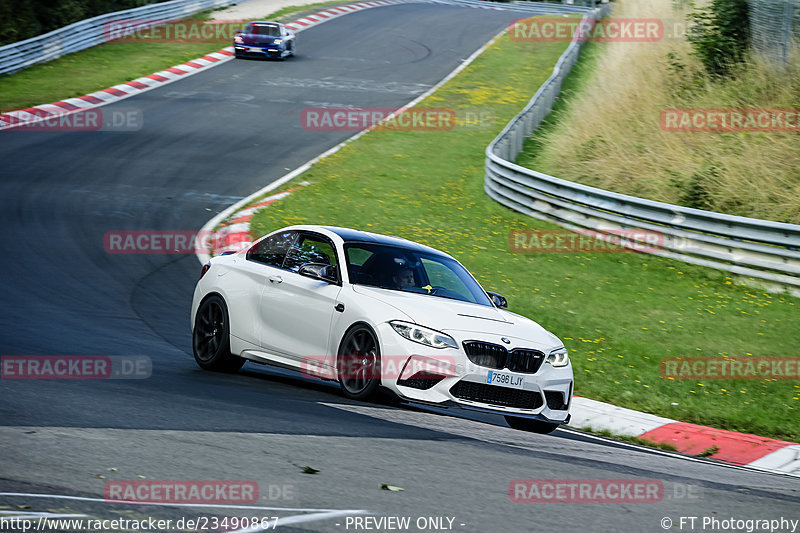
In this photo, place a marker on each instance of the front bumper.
(270, 51)
(544, 395)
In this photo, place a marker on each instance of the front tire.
(534, 426)
(359, 363)
(211, 338)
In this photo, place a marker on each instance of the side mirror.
(238, 32)
(498, 300)
(319, 271)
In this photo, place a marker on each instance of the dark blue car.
(264, 39)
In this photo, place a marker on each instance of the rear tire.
(211, 337)
(359, 363)
(534, 426)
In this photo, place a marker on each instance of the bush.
(720, 35)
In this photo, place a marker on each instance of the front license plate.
(504, 379)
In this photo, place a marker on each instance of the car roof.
(265, 22)
(353, 235)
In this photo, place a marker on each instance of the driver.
(403, 277)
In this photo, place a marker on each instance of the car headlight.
(558, 357)
(238, 39)
(277, 41)
(423, 335)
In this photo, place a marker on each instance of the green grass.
(103, 66)
(618, 314)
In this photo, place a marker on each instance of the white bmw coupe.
(371, 311)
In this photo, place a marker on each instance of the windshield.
(272, 30)
(406, 270)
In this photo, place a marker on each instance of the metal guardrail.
(765, 250)
(90, 32)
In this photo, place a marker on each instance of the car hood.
(464, 319)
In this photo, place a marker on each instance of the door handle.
(275, 279)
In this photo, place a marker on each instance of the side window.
(272, 250)
(309, 249)
(358, 256)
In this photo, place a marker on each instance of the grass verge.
(618, 314)
(94, 69)
(110, 64)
